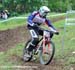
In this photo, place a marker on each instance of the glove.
(35, 26)
(57, 33)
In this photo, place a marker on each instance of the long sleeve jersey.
(35, 18)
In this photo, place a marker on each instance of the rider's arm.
(30, 18)
(52, 28)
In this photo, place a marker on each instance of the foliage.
(21, 6)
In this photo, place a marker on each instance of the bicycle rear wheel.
(46, 55)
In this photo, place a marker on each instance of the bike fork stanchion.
(44, 50)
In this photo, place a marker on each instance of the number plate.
(46, 34)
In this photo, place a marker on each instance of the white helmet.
(43, 11)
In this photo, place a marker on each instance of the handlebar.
(57, 33)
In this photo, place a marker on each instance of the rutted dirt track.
(9, 38)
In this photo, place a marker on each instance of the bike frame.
(45, 39)
(43, 48)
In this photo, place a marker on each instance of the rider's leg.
(35, 39)
(33, 44)
(51, 34)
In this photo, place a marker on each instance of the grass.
(11, 58)
(12, 24)
(64, 53)
(14, 52)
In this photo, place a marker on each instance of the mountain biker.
(35, 19)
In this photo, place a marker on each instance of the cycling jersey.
(35, 18)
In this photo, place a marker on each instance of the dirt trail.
(9, 38)
(33, 65)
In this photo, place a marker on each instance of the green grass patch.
(12, 24)
(11, 56)
(65, 52)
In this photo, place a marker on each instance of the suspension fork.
(46, 42)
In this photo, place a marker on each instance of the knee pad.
(35, 41)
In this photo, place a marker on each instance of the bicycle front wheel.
(46, 54)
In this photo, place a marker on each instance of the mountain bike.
(45, 48)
